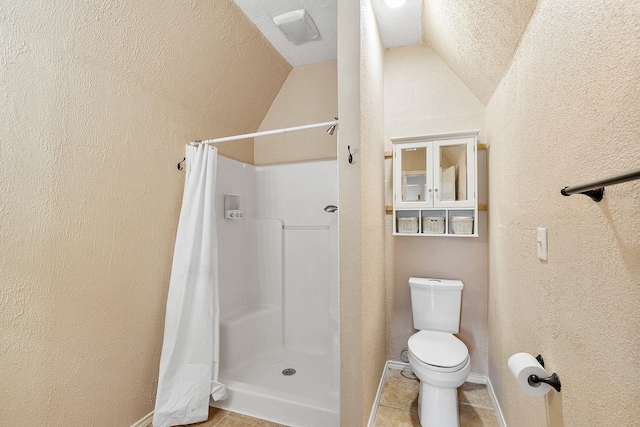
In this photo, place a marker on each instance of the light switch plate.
(542, 243)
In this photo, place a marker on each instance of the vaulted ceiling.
(476, 38)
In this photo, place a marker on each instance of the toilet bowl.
(438, 358)
(441, 362)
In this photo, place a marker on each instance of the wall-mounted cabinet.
(435, 185)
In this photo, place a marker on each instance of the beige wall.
(568, 112)
(370, 152)
(361, 190)
(309, 95)
(349, 207)
(97, 103)
(423, 96)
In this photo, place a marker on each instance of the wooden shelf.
(389, 208)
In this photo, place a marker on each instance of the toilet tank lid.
(421, 282)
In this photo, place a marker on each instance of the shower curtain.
(188, 372)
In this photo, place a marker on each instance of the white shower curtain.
(190, 350)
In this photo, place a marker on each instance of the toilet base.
(438, 407)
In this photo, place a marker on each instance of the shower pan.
(279, 342)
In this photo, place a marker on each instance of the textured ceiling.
(476, 38)
(323, 13)
(398, 26)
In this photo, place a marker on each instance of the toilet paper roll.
(522, 365)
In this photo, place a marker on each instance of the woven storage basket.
(462, 224)
(433, 224)
(408, 225)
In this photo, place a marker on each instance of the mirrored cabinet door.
(414, 175)
(455, 173)
(453, 166)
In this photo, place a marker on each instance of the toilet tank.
(436, 304)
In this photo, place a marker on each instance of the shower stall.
(278, 289)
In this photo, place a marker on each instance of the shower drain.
(288, 372)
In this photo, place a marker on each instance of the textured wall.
(435, 101)
(309, 95)
(568, 112)
(370, 154)
(476, 38)
(349, 209)
(361, 210)
(97, 101)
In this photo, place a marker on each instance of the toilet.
(438, 358)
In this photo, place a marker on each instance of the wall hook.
(180, 167)
(350, 156)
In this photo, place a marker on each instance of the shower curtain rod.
(332, 124)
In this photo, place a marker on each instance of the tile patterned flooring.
(399, 404)
(398, 407)
(223, 418)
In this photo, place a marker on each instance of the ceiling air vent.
(297, 26)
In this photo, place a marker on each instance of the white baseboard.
(399, 366)
(376, 403)
(496, 405)
(144, 421)
(476, 378)
(483, 379)
(472, 378)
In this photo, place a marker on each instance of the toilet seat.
(441, 351)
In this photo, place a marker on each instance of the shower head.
(330, 208)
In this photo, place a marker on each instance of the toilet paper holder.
(553, 380)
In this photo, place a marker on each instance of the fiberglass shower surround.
(280, 298)
(279, 293)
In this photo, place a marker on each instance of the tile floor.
(224, 418)
(398, 407)
(399, 404)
